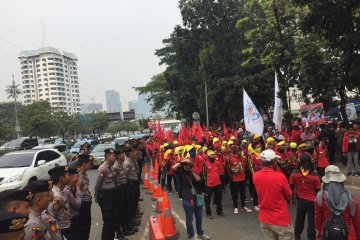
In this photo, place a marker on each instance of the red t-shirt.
(296, 135)
(170, 162)
(305, 185)
(234, 161)
(323, 161)
(198, 163)
(272, 188)
(213, 170)
(149, 151)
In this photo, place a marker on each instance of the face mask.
(211, 159)
(192, 154)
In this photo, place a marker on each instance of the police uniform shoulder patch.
(36, 228)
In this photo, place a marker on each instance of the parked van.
(22, 143)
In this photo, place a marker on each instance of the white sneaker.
(247, 209)
(236, 210)
(256, 208)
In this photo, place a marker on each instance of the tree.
(36, 119)
(13, 91)
(334, 25)
(98, 122)
(63, 121)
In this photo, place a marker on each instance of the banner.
(254, 123)
(312, 113)
(277, 117)
(350, 111)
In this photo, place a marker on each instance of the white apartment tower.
(50, 74)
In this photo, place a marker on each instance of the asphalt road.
(243, 226)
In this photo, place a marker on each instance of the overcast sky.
(114, 40)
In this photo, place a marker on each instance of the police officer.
(14, 200)
(105, 194)
(121, 181)
(132, 188)
(84, 219)
(41, 225)
(59, 207)
(74, 196)
(12, 225)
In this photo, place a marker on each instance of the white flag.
(254, 123)
(277, 117)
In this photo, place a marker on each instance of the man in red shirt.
(238, 183)
(307, 184)
(211, 173)
(273, 191)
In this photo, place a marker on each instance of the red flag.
(226, 133)
(169, 136)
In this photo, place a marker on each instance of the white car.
(19, 168)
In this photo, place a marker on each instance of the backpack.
(335, 227)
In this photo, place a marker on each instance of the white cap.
(268, 155)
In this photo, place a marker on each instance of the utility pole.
(13, 89)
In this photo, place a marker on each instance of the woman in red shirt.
(238, 183)
(254, 165)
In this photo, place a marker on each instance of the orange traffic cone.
(168, 224)
(156, 188)
(146, 177)
(151, 181)
(156, 170)
(159, 202)
(158, 219)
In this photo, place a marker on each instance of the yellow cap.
(215, 140)
(281, 143)
(270, 139)
(166, 144)
(178, 150)
(167, 153)
(223, 148)
(256, 136)
(293, 145)
(204, 149)
(210, 153)
(302, 145)
(175, 142)
(230, 142)
(198, 147)
(224, 142)
(161, 146)
(232, 138)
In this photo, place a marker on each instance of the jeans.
(190, 210)
(352, 161)
(305, 207)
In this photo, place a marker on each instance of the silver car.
(98, 153)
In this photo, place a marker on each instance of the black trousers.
(66, 232)
(320, 171)
(84, 220)
(217, 190)
(169, 179)
(120, 209)
(252, 191)
(305, 207)
(74, 227)
(131, 196)
(107, 202)
(140, 162)
(236, 189)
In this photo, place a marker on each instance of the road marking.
(177, 216)
(146, 232)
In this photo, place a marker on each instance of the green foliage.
(118, 126)
(98, 123)
(36, 119)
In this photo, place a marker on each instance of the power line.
(7, 54)
(19, 35)
(10, 43)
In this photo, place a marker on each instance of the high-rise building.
(133, 104)
(90, 108)
(144, 106)
(51, 74)
(113, 103)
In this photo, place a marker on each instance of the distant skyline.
(115, 41)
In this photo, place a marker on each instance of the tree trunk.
(342, 94)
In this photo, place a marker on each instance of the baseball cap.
(268, 155)
(210, 153)
(333, 174)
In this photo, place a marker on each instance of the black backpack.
(335, 227)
